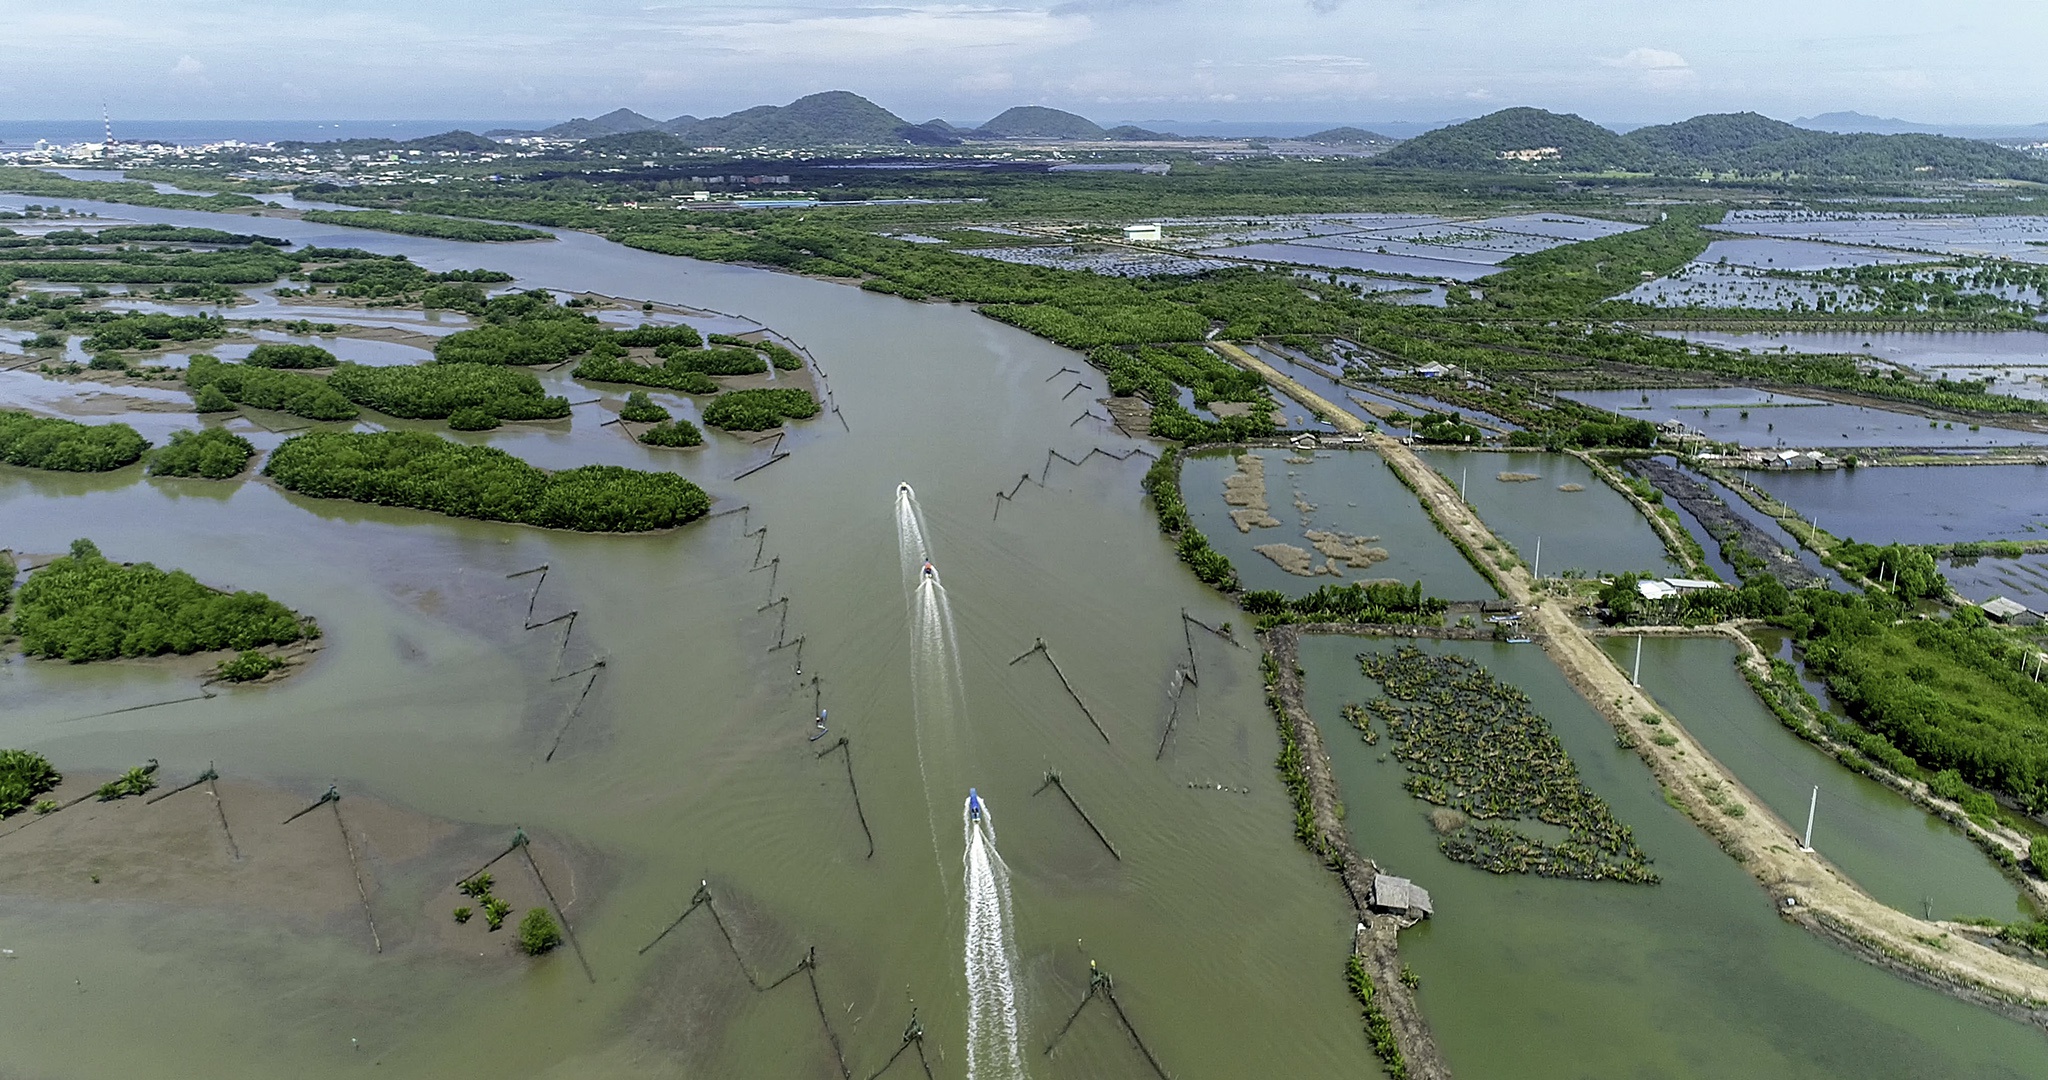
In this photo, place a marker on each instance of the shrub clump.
(759, 410)
(608, 367)
(673, 433)
(472, 419)
(266, 388)
(426, 472)
(24, 774)
(641, 410)
(66, 445)
(248, 666)
(82, 607)
(140, 780)
(275, 355)
(538, 932)
(214, 454)
(438, 391)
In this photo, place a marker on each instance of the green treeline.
(266, 388)
(274, 355)
(1153, 372)
(759, 410)
(784, 358)
(82, 607)
(133, 331)
(215, 454)
(442, 228)
(66, 445)
(717, 360)
(1386, 602)
(160, 234)
(1950, 693)
(427, 472)
(27, 181)
(437, 391)
(523, 328)
(673, 433)
(649, 337)
(1162, 482)
(1378, 1029)
(366, 275)
(603, 367)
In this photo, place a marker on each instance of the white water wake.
(992, 1037)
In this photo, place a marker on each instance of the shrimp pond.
(659, 742)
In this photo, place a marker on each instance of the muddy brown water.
(689, 761)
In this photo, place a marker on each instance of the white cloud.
(934, 33)
(1656, 69)
(188, 67)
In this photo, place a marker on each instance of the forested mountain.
(636, 144)
(1522, 139)
(615, 122)
(1714, 133)
(1881, 157)
(1039, 122)
(833, 118)
(1347, 136)
(457, 141)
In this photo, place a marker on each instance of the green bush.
(438, 391)
(273, 355)
(248, 665)
(538, 932)
(649, 337)
(2037, 855)
(472, 419)
(759, 410)
(673, 433)
(140, 780)
(641, 410)
(722, 360)
(83, 607)
(67, 446)
(215, 454)
(478, 886)
(495, 911)
(24, 775)
(266, 388)
(427, 472)
(462, 915)
(209, 399)
(522, 328)
(618, 369)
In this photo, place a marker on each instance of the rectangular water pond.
(1584, 524)
(1367, 525)
(2015, 361)
(1762, 418)
(1919, 504)
(1696, 978)
(1897, 852)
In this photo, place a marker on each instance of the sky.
(1617, 61)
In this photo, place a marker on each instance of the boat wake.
(992, 1037)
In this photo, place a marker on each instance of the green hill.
(615, 122)
(640, 144)
(1522, 139)
(1347, 136)
(833, 118)
(457, 141)
(1880, 157)
(1714, 133)
(1039, 122)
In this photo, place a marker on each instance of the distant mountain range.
(1524, 139)
(1847, 123)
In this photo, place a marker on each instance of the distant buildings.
(1143, 233)
(2002, 609)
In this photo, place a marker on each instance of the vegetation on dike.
(426, 472)
(759, 410)
(272, 354)
(24, 774)
(82, 607)
(1378, 1029)
(442, 228)
(266, 388)
(1385, 602)
(1473, 744)
(213, 454)
(673, 433)
(437, 391)
(65, 445)
(1162, 482)
(1292, 765)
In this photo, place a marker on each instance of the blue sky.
(1343, 60)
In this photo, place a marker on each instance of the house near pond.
(2009, 611)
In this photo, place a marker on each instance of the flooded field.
(1896, 851)
(1352, 499)
(1763, 418)
(2015, 361)
(1585, 525)
(1930, 234)
(1693, 978)
(1918, 504)
(2024, 578)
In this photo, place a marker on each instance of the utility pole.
(1461, 482)
(1812, 805)
(1536, 571)
(1636, 680)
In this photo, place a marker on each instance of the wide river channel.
(688, 761)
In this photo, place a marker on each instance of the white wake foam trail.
(933, 682)
(990, 956)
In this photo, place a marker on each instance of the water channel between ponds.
(1584, 524)
(1896, 851)
(1693, 977)
(1348, 492)
(689, 758)
(689, 761)
(1763, 418)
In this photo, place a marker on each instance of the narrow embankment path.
(1821, 897)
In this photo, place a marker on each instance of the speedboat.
(903, 488)
(929, 570)
(973, 805)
